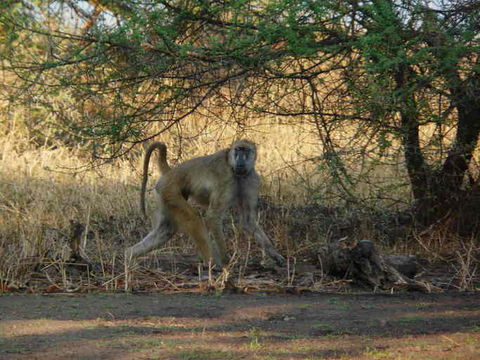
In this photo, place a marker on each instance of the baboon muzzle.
(240, 170)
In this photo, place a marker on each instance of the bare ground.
(240, 326)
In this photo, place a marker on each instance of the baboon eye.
(243, 150)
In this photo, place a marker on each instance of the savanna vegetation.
(367, 119)
(367, 116)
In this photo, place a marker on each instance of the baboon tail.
(162, 165)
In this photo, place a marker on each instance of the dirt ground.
(240, 326)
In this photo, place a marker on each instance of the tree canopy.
(391, 70)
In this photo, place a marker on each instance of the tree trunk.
(417, 168)
(466, 98)
(437, 193)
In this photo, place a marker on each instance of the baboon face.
(241, 157)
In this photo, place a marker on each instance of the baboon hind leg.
(163, 230)
(187, 218)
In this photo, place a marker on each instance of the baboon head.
(242, 156)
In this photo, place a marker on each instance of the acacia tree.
(390, 68)
(425, 62)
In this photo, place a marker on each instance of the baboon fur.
(217, 182)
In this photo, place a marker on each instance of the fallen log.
(361, 262)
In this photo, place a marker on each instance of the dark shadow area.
(119, 323)
(121, 306)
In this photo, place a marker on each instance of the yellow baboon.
(217, 182)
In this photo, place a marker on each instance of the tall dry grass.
(44, 187)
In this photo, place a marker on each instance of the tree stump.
(361, 262)
(76, 260)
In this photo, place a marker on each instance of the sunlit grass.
(44, 188)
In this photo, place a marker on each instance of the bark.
(77, 261)
(437, 193)
(447, 191)
(362, 263)
(466, 98)
(415, 162)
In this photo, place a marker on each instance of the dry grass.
(44, 188)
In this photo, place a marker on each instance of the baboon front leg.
(250, 224)
(265, 243)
